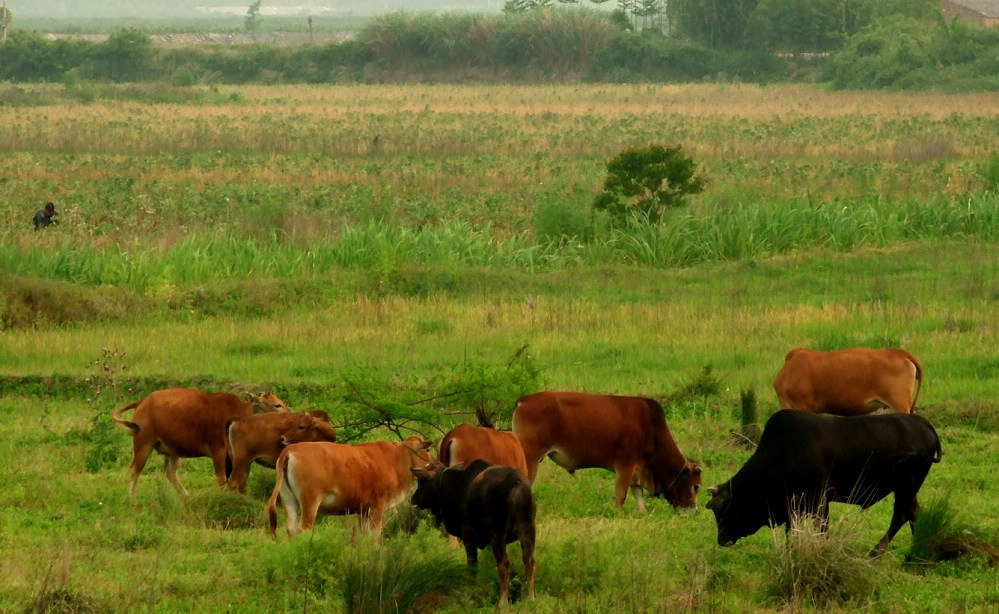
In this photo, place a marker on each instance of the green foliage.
(903, 53)
(126, 56)
(647, 181)
(557, 222)
(435, 401)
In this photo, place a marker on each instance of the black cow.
(482, 505)
(805, 461)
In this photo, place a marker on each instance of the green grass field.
(263, 239)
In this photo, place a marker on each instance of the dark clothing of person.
(43, 217)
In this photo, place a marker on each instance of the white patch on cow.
(289, 495)
(562, 459)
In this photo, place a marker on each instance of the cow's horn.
(713, 490)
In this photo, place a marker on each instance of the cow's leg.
(905, 510)
(533, 458)
(471, 554)
(624, 475)
(240, 473)
(218, 463)
(141, 451)
(309, 508)
(292, 509)
(503, 568)
(170, 465)
(639, 493)
(527, 550)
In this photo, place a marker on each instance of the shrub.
(646, 181)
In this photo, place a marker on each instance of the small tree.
(647, 181)
(6, 16)
(252, 22)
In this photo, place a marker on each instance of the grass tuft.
(225, 510)
(820, 569)
(939, 535)
(395, 578)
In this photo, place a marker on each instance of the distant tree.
(647, 181)
(252, 21)
(6, 16)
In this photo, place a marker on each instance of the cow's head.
(679, 489)
(428, 486)
(417, 447)
(735, 520)
(267, 402)
(309, 427)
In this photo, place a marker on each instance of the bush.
(646, 181)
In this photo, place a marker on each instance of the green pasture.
(266, 240)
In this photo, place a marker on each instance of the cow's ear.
(718, 497)
(424, 445)
(421, 474)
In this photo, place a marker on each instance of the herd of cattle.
(479, 487)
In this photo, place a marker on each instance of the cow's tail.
(116, 416)
(280, 466)
(444, 451)
(919, 381)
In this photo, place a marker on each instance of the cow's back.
(854, 457)
(188, 421)
(467, 442)
(357, 475)
(851, 381)
(590, 430)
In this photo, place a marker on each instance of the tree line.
(894, 44)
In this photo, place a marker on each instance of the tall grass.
(714, 234)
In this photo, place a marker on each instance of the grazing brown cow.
(849, 382)
(467, 442)
(483, 505)
(626, 435)
(185, 423)
(334, 478)
(261, 437)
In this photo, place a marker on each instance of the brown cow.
(849, 382)
(626, 435)
(467, 442)
(334, 478)
(185, 423)
(261, 437)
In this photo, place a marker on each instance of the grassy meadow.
(304, 239)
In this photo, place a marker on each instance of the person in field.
(44, 217)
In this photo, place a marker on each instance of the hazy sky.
(191, 8)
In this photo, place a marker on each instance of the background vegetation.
(857, 44)
(419, 255)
